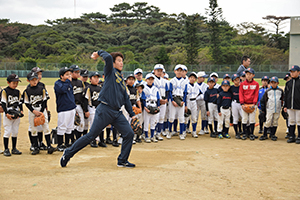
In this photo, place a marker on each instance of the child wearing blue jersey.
(210, 98)
(65, 107)
(265, 83)
(224, 112)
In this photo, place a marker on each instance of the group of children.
(161, 105)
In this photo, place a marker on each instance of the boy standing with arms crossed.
(249, 95)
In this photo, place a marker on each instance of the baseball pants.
(65, 122)
(176, 112)
(104, 116)
(271, 119)
(294, 117)
(192, 105)
(42, 128)
(201, 108)
(150, 119)
(224, 117)
(248, 117)
(79, 110)
(11, 127)
(213, 110)
(236, 112)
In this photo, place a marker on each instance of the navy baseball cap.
(84, 73)
(94, 74)
(13, 78)
(265, 78)
(74, 68)
(275, 79)
(63, 70)
(250, 70)
(234, 76)
(130, 75)
(243, 74)
(287, 76)
(32, 75)
(295, 68)
(225, 82)
(211, 79)
(226, 76)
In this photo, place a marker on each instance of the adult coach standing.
(245, 63)
(112, 96)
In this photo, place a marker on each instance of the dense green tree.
(162, 56)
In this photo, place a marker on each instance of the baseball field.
(196, 168)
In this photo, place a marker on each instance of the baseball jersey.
(235, 93)
(140, 82)
(11, 99)
(78, 88)
(133, 95)
(249, 92)
(35, 97)
(90, 96)
(150, 96)
(193, 91)
(210, 96)
(162, 87)
(178, 88)
(203, 87)
(224, 100)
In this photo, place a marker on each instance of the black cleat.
(61, 147)
(6, 152)
(260, 131)
(108, 141)
(252, 137)
(298, 140)
(273, 137)
(263, 137)
(35, 151)
(102, 144)
(213, 135)
(244, 137)
(16, 151)
(50, 150)
(115, 143)
(291, 140)
(43, 146)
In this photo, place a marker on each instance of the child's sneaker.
(153, 139)
(273, 137)
(213, 135)
(16, 151)
(6, 152)
(169, 135)
(147, 140)
(194, 134)
(158, 137)
(181, 136)
(206, 131)
(220, 136)
(227, 136)
(201, 132)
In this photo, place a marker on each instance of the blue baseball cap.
(226, 76)
(265, 78)
(295, 68)
(211, 79)
(225, 82)
(274, 78)
(243, 74)
(250, 70)
(234, 76)
(287, 76)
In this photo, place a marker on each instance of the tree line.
(146, 36)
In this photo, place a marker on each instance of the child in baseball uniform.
(193, 91)
(78, 88)
(201, 103)
(210, 98)
(161, 84)
(236, 106)
(216, 77)
(249, 95)
(165, 128)
(84, 75)
(261, 92)
(224, 109)
(90, 103)
(138, 73)
(177, 90)
(292, 103)
(35, 99)
(65, 107)
(11, 99)
(150, 98)
(271, 104)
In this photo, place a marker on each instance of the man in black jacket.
(292, 103)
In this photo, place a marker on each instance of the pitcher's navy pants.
(104, 116)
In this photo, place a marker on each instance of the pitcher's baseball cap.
(32, 75)
(13, 78)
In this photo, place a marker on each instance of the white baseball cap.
(166, 75)
(214, 74)
(159, 66)
(149, 76)
(179, 66)
(184, 68)
(138, 70)
(202, 74)
(193, 74)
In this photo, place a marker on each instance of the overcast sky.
(35, 12)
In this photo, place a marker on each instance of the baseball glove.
(15, 113)
(262, 117)
(77, 119)
(49, 115)
(40, 120)
(188, 113)
(136, 126)
(136, 110)
(285, 115)
(153, 110)
(178, 100)
(249, 108)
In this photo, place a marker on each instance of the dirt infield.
(196, 168)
